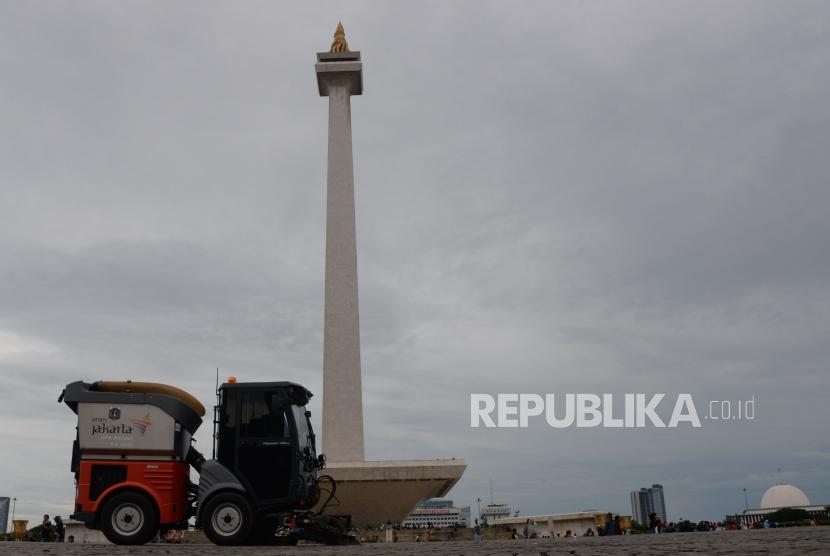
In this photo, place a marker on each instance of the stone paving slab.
(804, 540)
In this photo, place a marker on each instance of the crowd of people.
(56, 532)
(50, 531)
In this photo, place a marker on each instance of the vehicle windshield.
(305, 436)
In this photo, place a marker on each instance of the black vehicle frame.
(264, 437)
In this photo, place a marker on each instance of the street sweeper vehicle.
(133, 453)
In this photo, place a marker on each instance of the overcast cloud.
(551, 196)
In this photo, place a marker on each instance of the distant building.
(548, 526)
(640, 506)
(778, 497)
(658, 502)
(4, 515)
(492, 512)
(437, 512)
(435, 503)
(646, 501)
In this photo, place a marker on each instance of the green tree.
(639, 527)
(788, 515)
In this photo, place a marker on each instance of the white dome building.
(784, 496)
(777, 497)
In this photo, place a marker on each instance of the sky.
(551, 197)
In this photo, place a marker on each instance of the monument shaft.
(342, 391)
(369, 492)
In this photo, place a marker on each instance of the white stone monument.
(339, 76)
(370, 492)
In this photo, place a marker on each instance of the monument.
(339, 76)
(370, 492)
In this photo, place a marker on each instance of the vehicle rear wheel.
(228, 519)
(129, 518)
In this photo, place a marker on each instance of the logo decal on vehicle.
(142, 424)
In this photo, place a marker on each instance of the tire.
(228, 518)
(129, 518)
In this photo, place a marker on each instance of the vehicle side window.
(259, 419)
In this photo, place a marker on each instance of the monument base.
(372, 493)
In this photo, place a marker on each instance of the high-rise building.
(641, 505)
(646, 501)
(658, 502)
(4, 515)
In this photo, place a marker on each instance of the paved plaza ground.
(806, 540)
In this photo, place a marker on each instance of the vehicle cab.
(264, 437)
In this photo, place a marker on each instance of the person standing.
(652, 522)
(46, 529)
(59, 528)
(610, 528)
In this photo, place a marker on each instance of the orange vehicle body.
(164, 481)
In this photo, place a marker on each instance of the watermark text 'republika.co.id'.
(603, 410)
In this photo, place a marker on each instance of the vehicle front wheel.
(228, 519)
(129, 518)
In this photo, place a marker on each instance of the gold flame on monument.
(339, 44)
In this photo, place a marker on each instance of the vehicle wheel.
(228, 518)
(129, 518)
